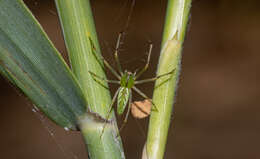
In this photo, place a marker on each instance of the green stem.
(165, 88)
(107, 146)
(84, 52)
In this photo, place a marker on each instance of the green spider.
(127, 81)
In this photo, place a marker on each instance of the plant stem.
(84, 52)
(165, 88)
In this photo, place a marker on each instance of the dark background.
(217, 108)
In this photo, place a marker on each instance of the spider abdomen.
(122, 99)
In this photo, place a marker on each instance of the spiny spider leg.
(154, 79)
(128, 110)
(144, 96)
(116, 53)
(110, 110)
(103, 79)
(147, 63)
(105, 62)
(111, 69)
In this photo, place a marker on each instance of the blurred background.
(217, 107)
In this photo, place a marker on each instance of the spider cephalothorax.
(127, 79)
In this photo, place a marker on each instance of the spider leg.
(103, 79)
(147, 63)
(154, 79)
(102, 59)
(111, 69)
(110, 110)
(116, 53)
(144, 96)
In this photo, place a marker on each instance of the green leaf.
(31, 62)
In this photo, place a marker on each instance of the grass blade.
(31, 62)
